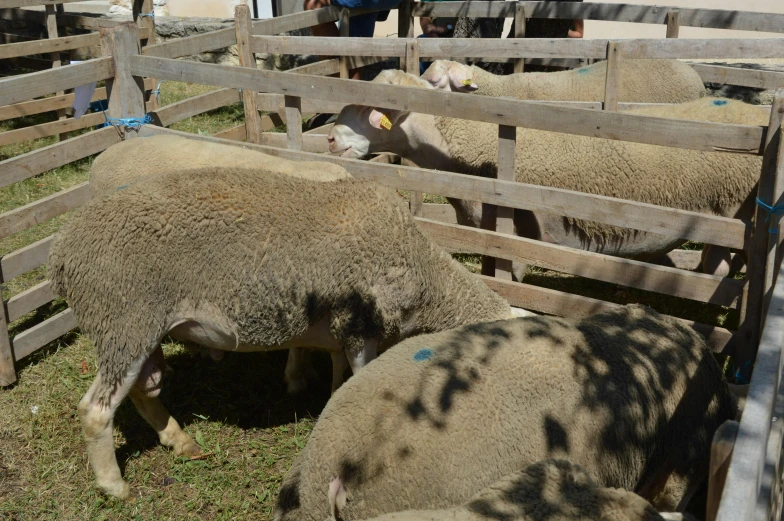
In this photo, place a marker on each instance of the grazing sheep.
(645, 81)
(631, 395)
(157, 154)
(549, 490)
(712, 183)
(241, 260)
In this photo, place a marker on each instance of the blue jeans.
(364, 25)
(423, 65)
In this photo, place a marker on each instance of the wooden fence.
(761, 310)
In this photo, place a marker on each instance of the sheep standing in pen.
(549, 490)
(158, 154)
(632, 396)
(706, 182)
(245, 261)
(644, 81)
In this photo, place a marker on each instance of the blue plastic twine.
(151, 14)
(772, 210)
(738, 377)
(131, 123)
(157, 90)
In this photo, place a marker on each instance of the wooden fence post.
(762, 250)
(673, 23)
(416, 199)
(405, 27)
(720, 456)
(293, 122)
(56, 57)
(125, 91)
(247, 59)
(345, 21)
(613, 78)
(507, 141)
(144, 16)
(519, 32)
(7, 370)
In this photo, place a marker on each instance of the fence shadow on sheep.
(287, 96)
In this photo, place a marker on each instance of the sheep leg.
(96, 412)
(294, 374)
(169, 431)
(359, 358)
(339, 366)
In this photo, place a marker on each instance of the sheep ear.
(461, 78)
(384, 119)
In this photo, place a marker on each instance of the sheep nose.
(331, 141)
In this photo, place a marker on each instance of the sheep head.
(450, 76)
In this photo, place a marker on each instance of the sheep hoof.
(188, 448)
(296, 386)
(120, 490)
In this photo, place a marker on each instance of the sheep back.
(127, 162)
(264, 253)
(644, 81)
(438, 417)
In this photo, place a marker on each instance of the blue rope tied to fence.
(130, 123)
(157, 90)
(738, 377)
(772, 210)
(151, 14)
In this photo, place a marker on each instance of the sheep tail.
(337, 498)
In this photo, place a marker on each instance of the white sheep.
(632, 396)
(241, 260)
(548, 490)
(712, 183)
(645, 81)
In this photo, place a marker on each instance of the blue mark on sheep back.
(423, 354)
(719, 102)
(584, 70)
(121, 187)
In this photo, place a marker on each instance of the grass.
(236, 409)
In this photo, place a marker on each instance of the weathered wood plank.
(43, 159)
(519, 32)
(293, 122)
(704, 48)
(191, 45)
(7, 369)
(384, 47)
(52, 128)
(25, 259)
(126, 90)
(66, 43)
(721, 453)
(759, 79)
(33, 85)
(237, 133)
(626, 272)
(77, 21)
(316, 143)
(559, 303)
(275, 102)
(24, 217)
(189, 107)
(290, 22)
(441, 48)
(709, 229)
(673, 23)
(612, 81)
(695, 135)
(507, 145)
(28, 300)
(33, 339)
(242, 24)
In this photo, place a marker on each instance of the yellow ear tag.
(386, 122)
(467, 83)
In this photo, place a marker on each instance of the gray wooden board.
(43, 159)
(760, 79)
(28, 300)
(24, 217)
(25, 259)
(28, 86)
(191, 45)
(290, 22)
(388, 47)
(695, 135)
(618, 212)
(29, 341)
(316, 143)
(238, 133)
(196, 105)
(52, 128)
(14, 50)
(631, 273)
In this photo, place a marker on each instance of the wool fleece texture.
(632, 396)
(549, 490)
(649, 81)
(129, 161)
(263, 255)
(706, 182)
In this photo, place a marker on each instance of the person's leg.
(362, 26)
(325, 29)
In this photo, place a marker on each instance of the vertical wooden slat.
(142, 9)
(519, 32)
(412, 66)
(405, 26)
(344, 33)
(776, 146)
(293, 121)
(242, 26)
(507, 139)
(761, 248)
(613, 79)
(125, 91)
(7, 370)
(51, 29)
(721, 453)
(673, 23)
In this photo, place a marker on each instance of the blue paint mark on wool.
(423, 354)
(584, 70)
(122, 187)
(719, 102)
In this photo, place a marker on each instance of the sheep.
(156, 154)
(631, 395)
(242, 260)
(710, 183)
(548, 490)
(647, 81)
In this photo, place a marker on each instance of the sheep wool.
(650, 81)
(632, 396)
(134, 159)
(707, 182)
(264, 255)
(549, 490)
